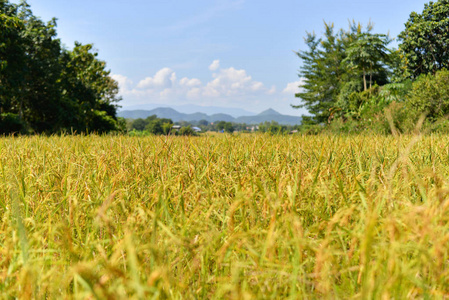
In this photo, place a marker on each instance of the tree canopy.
(353, 82)
(46, 88)
(425, 39)
(337, 65)
(369, 54)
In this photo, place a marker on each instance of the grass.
(237, 217)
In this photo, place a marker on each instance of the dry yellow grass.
(239, 217)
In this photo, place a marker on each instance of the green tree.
(322, 71)
(221, 125)
(275, 128)
(188, 131)
(425, 40)
(11, 124)
(89, 93)
(338, 65)
(29, 67)
(40, 96)
(203, 122)
(155, 127)
(46, 87)
(167, 127)
(139, 124)
(12, 56)
(228, 127)
(369, 54)
(430, 94)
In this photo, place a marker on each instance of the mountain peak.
(165, 110)
(269, 112)
(268, 115)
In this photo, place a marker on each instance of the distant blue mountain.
(269, 112)
(268, 115)
(190, 109)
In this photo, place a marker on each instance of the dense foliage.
(225, 126)
(339, 64)
(159, 126)
(425, 39)
(153, 125)
(353, 82)
(46, 88)
(430, 93)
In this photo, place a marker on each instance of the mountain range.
(169, 113)
(192, 108)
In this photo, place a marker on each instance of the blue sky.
(229, 53)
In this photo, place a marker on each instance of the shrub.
(430, 94)
(11, 123)
(186, 131)
(102, 122)
(138, 124)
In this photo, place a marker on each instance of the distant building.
(253, 128)
(196, 129)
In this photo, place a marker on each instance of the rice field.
(224, 217)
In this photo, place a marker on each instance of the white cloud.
(194, 93)
(232, 82)
(166, 93)
(294, 87)
(190, 82)
(227, 87)
(173, 78)
(272, 90)
(256, 86)
(124, 82)
(164, 78)
(209, 91)
(224, 83)
(214, 65)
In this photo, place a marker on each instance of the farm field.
(224, 217)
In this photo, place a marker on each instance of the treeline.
(156, 126)
(230, 127)
(46, 88)
(163, 126)
(354, 82)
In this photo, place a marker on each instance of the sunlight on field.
(252, 216)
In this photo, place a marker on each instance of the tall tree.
(322, 71)
(40, 95)
(425, 40)
(430, 94)
(337, 65)
(12, 55)
(89, 94)
(47, 88)
(369, 54)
